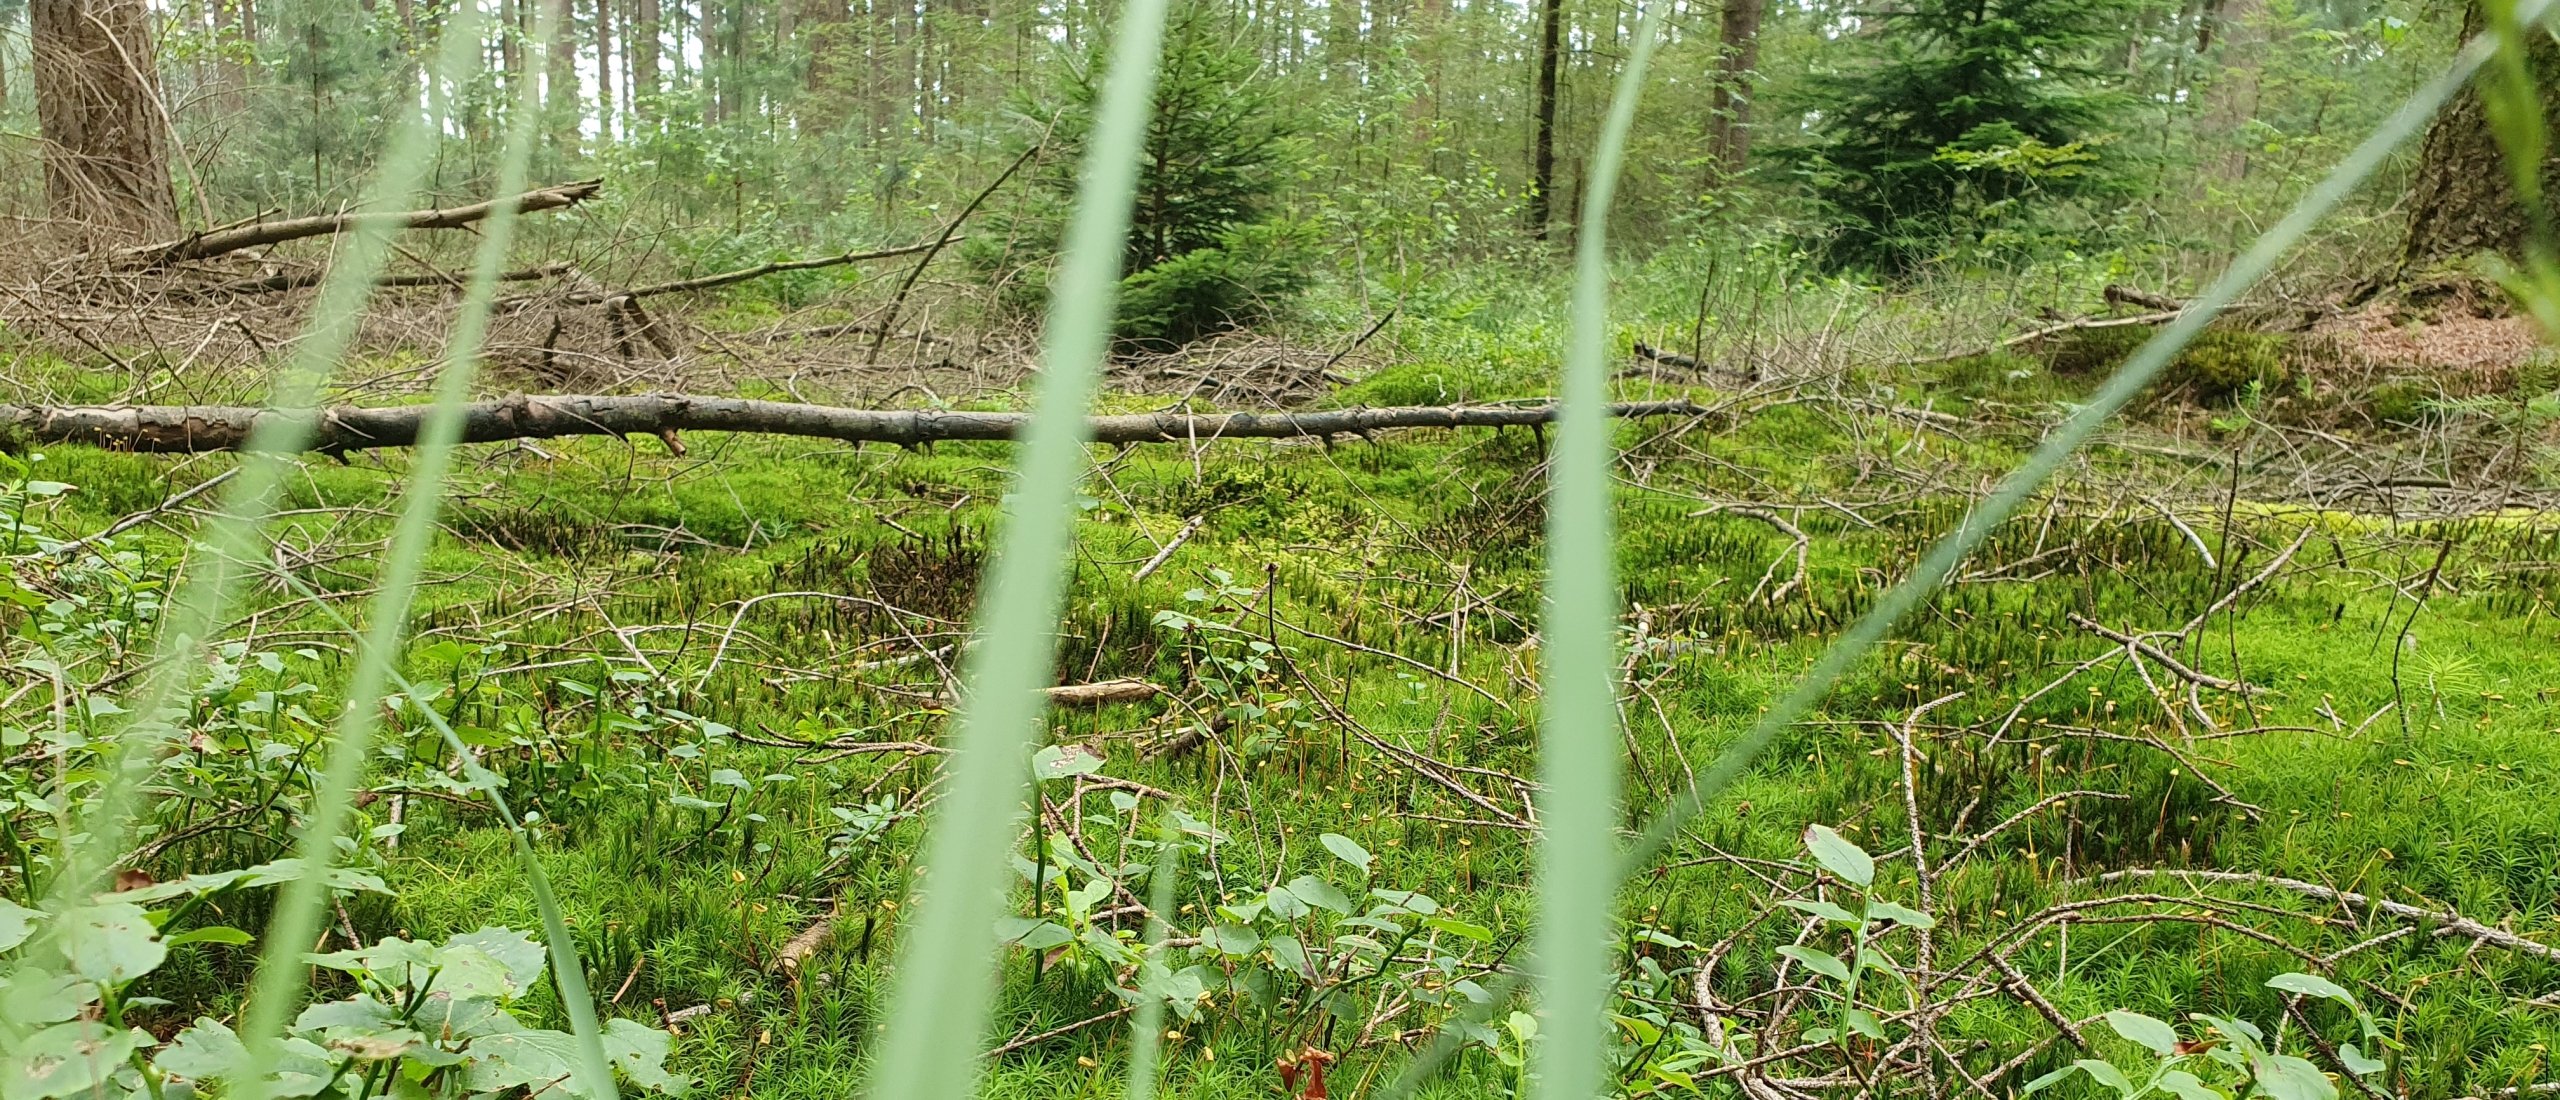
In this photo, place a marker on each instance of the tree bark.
(2463, 203)
(106, 160)
(192, 428)
(200, 246)
(1542, 144)
(1737, 60)
(642, 45)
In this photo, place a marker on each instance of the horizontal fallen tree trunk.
(193, 428)
(221, 241)
(297, 280)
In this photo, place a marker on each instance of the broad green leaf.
(1456, 927)
(2107, 1074)
(110, 942)
(1284, 904)
(1347, 849)
(357, 1013)
(519, 953)
(69, 1059)
(1291, 955)
(1819, 961)
(2285, 1077)
(2152, 1033)
(2312, 985)
(31, 997)
(1822, 909)
(1064, 761)
(1880, 909)
(205, 1050)
(2186, 1086)
(1318, 892)
(639, 1052)
(17, 922)
(1834, 852)
(2357, 1061)
(1864, 1023)
(1027, 932)
(211, 933)
(1232, 939)
(2048, 1080)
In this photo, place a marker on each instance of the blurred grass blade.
(236, 533)
(1146, 1035)
(947, 964)
(1578, 744)
(1943, 557)
(277, 989)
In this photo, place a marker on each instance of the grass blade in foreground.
(234, 535)
(276, 990)
(1578, 727)
(2137, 372)
(946, 967)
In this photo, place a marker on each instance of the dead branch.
(184, 429)
(2445, 922)
(224, 241)
(1101, 693)
(297, 280)
(725, 278)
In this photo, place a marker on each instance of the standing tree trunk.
(106, 160)
(2463, 203)
(563, 106)
(605, 60)
(2231, 100)
(1542, 144)
(641, 43)
(1737, 58)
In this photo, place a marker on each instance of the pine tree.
(1960, 112)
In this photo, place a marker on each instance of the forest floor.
(2225, 640)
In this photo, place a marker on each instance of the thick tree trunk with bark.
(106, 161)
(1737, 57)
(2463, 203)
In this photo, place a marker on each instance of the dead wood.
(297, 280)
(199, 246)
(2119, 295)
(725, 278)
(1100, 693)
(195, 428)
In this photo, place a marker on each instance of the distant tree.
(1208, 250)
(1954, 112)
(1737, 59)
(1542, 140)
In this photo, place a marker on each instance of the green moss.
(2218, 366)
(1412, 384)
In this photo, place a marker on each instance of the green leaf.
(1836, 855)
(1456, 927)
(1880, 909)
(1819, 961)
(2186, 1086)
(1291, 955)
(2312, 985)
(1232, 939)
(1347, 849)
(211, 933)
(2107, 1074)
(2285, 1077)
(1864, 1023)
(1822, 909)
(2357, 1061)
(17, 922)
(1037, 935)
(2048, 1080)
(1064, 761)
(518, 952)
(1316, 891)
(110, 943)
(357, 1013)
(206, 1050)
(68, 1059)
(639, 1052)
(2152, 1033)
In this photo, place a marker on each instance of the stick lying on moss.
(193, 428)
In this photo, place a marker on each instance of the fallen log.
(297, 280)
(184, 429)
(198, 246)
